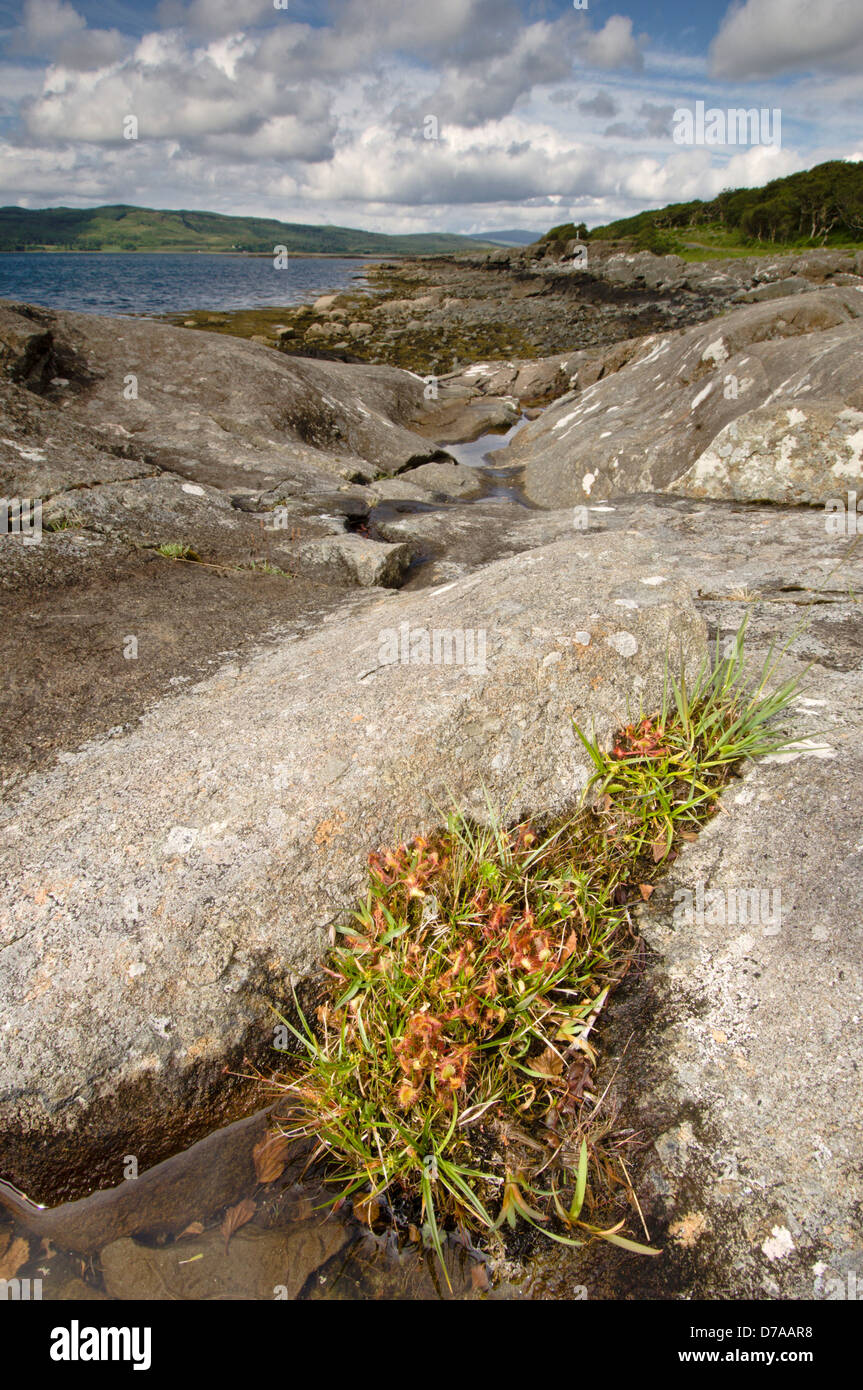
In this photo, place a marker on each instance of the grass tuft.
(450, 1067)
(176, 550)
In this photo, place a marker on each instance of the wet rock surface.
(254, 1263)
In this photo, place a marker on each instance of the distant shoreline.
(246, 255)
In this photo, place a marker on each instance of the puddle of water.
(233, 1217)
(498, 485)
(479, 454)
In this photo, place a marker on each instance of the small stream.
(498, 483)
(501, 482)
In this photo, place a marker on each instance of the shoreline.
(245, 255)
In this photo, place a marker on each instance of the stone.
(776, 289)
(800, 455)
(367, 562)
(446, 479)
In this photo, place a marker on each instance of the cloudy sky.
(317, 110)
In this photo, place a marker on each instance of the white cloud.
(764, 37)
(45, 23)
(215, 17)
(613, 46)
(210, 98)
(55, 29)
(472, 93)
(242, 108)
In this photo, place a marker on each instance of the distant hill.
(513, 237)
(817, 207)
(124, 228)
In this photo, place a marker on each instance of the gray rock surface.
(446, 479)
(215, 409)
(161, 887)
(737, 1052)
(167, 880)
(670, 417)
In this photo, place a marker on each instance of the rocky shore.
(205, 730)
(437, 314)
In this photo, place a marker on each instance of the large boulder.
(217, 409)
(645, 426)
(782, 453)
(165, 884)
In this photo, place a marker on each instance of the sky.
(415, 115)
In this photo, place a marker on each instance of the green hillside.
(817, 207)
(122, 228)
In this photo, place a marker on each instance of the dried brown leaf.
(548, 1063)
(193, 1229)
(367, 1210)
(479, 1278)
(570, 945)
(270, 1156)
(660, 849)
(235, 1217)
(646, 890)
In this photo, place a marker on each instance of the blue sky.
(540, 112)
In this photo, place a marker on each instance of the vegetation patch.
(449, 1073)
(815, 207)
(176, 550)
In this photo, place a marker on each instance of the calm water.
(105, 283)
